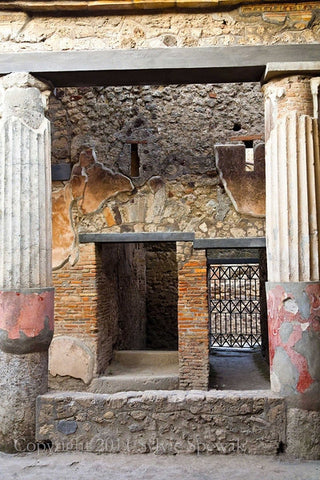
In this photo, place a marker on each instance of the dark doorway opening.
(138, 298)
(138, 328)
(161, 296)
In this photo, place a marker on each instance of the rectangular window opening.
(249, 156)
(135, 160)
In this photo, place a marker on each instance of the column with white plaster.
(293, 246)
(26, 293)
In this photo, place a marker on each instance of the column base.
(303, 434)
(294, 342)
(23, 378)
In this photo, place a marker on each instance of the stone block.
(303, 434)
(70, 356)
(243, 179)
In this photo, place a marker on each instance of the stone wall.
(131, 289)
(163, 422)
(175, 126)
(162, 296)
(269, 23)
(171, 132)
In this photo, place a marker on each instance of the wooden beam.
(136, 237)
(156, 66)
(247, 242)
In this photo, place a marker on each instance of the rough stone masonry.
(163, 422)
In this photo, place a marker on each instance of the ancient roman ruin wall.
(105, 197)
(165, 422)
(95, 129)
(256, 24)
(177, 187)
(174, 130)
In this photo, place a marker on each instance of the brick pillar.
(292, 233)
(76, 295)
(193, 318)
(78, 313)
(26, 293)
(100, 306)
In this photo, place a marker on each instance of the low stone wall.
(163, 422)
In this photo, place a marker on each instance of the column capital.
(276, 70)
(23, 80)
(21, 94)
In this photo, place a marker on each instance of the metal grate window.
(234, 303)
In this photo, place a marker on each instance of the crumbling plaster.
(247, 25)
(175, 129)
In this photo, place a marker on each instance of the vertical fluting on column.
(292, 233)
(26, 293)
(25, 246)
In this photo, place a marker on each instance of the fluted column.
(292, 179)
(293, 246)
(26, 293)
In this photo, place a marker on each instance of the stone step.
(138, 382)
(139, 370)
(146, 358)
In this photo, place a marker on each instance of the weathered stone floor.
(232, 369)
(80, 466)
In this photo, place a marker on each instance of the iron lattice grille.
(234, 304)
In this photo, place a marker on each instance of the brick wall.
(101, 299)
(285, 95)
(193, 322)
(76, 296)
